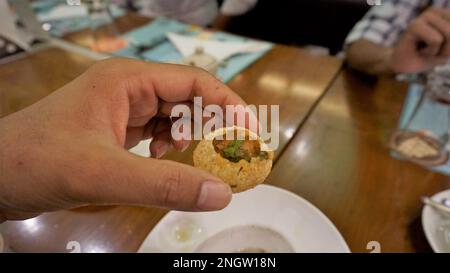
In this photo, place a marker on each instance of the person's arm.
(423, 45)
(70, 148)
(370, 57)
(369, 44)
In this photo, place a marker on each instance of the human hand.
(425, 44)
(70, 148)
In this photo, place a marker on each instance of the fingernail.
(213, 195)
(161, 150)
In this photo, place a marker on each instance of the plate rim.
(314, 208)
(342, 241)
(426, 210)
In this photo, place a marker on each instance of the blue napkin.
(154, 34)
(432, 116)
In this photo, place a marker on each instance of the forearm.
(369, 57)
(9, 175)
(19, 180)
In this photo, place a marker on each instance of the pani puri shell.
(242, 175)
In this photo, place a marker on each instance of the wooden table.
(339, 160)
(287, 76)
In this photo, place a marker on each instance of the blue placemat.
(432, 116)
(164, 51)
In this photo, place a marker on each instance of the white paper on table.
(218, 49)
(63, 11)
(142, 148)
(8, 26)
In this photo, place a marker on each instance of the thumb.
(128, 179)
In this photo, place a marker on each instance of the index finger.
(148, 84)
(178, 83)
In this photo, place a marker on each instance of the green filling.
(232, 152)
(235, 153)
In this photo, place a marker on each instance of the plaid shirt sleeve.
(384, 24)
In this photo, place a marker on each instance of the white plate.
(265, 218)
(436, 225)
